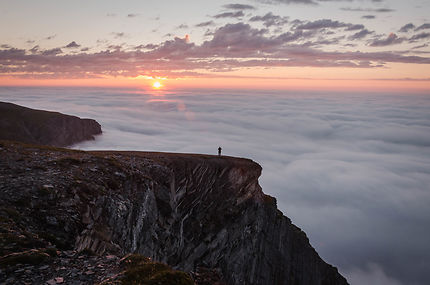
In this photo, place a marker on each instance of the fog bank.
(352, 170)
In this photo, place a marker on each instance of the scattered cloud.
(50, 37)
(147, 47)
(392, 39)
(237, 14)
(378, 10)
(361, 34)
(355, 27)
(34, 49)
(72, 45)
(205, 24)
(406, 28)
(327, 23)
(52, 52)
(182, 26)
(420, 36)
(270, 20)
(115, 47)
(239, 7)
(307, 2)
(101, 41)
(383, 10)
(368, 17)
(118, 35)
(374, 1)
(228, 47)
(421, 46)
(423, 27)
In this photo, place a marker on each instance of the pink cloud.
(232, 46)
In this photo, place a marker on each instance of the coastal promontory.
(18, 123)
(204, 215)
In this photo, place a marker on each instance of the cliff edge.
(27, 125)
(186, 210)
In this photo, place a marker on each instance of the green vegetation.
(87, 252)
(18, 241)
(135, 260)
(12, 213)
(51, 251)
(42, 191)
(56, 241)
(33, 257)
(141, 270)
(69, 160)
(23, 202)
(171, 277)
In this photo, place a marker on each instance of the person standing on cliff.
(219, 151)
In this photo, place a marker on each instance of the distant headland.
(32, 126)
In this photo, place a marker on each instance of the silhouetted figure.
(219, 151)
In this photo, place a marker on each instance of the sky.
(372, 45)
(351, 169)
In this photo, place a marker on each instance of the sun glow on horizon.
(157, 85)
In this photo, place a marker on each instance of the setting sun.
(156, 85)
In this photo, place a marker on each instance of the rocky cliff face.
(42, 127)
(186, 210)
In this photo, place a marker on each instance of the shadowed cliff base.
(186, 210)
(27, 125)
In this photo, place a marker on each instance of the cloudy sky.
(275, 44)
(351, 169)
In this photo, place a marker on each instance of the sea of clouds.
(351, 170)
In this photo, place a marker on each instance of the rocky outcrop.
(27, 125)
(189, 211)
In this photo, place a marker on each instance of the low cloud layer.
(352, 170)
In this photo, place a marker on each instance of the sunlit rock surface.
(27, 125)
(185, 210)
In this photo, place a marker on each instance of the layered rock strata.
(187, 210)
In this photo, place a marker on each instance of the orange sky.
(394, 77)
(218, 45)
(415, 86)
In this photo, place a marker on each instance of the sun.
(156, 85)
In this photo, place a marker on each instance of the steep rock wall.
(182, 209)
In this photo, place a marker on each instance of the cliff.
(189, 211)
(27, 125)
